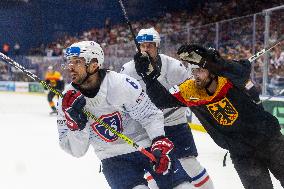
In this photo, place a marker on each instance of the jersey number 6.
(132, 83)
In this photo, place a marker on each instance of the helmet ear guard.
(89, 50)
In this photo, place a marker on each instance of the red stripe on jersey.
(150, 177)
(202, 182)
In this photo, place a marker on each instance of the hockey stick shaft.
(133, 34)
(89, 114)
(263, 51)
(277, 95)
(129, 25)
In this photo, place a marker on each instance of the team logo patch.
(114, 120)
(223, 112)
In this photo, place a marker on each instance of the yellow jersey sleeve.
(53, 78)
(190, 95)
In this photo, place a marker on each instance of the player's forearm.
(160, 96)
(154, 126)
(238, 72)
(239, 68)
(75, 143)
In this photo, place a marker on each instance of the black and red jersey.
(230, 116)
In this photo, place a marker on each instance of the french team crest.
(223, 112)
(114, 120)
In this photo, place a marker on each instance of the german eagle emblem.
(223, 112)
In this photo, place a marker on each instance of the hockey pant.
(127, 171)
(254, 171)
(185, 150)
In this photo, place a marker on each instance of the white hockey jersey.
(173, 72)
(123, 105)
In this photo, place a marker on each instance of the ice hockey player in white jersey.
(119, 101)
(169, 72)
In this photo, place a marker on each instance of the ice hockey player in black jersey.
(55, 80)
(230, 112)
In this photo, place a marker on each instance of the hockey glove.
(161, 148)
(73, 103)
(198, 55)
(144, 66)
(60, 85)
(48, 83)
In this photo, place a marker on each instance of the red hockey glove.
(161, 148)
(72, 105)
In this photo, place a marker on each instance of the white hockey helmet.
(148, 35)
(87, 50)
(50, 68)
(193, 66)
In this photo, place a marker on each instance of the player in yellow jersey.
(55, 80)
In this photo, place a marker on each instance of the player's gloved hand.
(161, 148)
(198, 55)
(73, 103)
(47, 82)
(60, 85)
(144, 67)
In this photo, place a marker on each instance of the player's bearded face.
(77, 69)
(149, 47)
(202, 77)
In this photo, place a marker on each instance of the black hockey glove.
(47, 82)
(144, 67)
(198, 55)
(162, 148)
(73, 103)
(60, 85)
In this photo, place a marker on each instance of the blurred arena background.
(36, 32)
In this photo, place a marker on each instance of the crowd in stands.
(236, 38)
(172, 24)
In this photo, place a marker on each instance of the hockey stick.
(129, 25)
(89, 114)
(263, 51)
(280, 93)
(134, 37)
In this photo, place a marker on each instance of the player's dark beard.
(204, 83)
(201, 84)
(92, 92)
(80, 80)
(87, 75)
